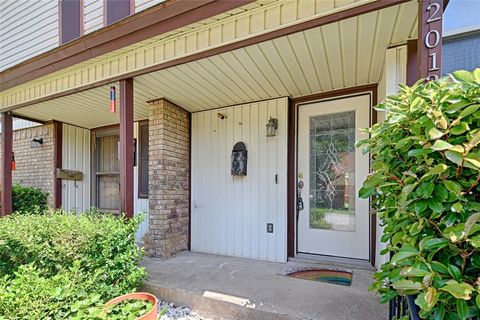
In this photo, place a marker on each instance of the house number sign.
(431, 39)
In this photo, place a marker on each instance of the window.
(116, 10)
(143, 160)
(107, 170)
(70, 20)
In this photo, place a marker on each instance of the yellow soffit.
(260, 17)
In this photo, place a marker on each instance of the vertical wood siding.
(92, 15)
(229, 214)
(394, 73)
(139, 205)
(141, 5)
(27, 28)
(76, 156)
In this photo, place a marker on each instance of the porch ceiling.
(334, 56)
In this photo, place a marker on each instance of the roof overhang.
(300, 61)
(160, 19)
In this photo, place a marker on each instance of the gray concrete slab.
(256, 286)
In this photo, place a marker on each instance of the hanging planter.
(114, 306)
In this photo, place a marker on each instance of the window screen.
(116, 10)
(70, 20)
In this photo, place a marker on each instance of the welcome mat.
(317, 272)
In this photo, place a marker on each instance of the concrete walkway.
(223, 287)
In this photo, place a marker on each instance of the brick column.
(169, 174)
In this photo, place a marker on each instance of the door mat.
(317, 272)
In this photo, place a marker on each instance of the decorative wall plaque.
(239, 159)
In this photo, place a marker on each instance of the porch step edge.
(212, 308)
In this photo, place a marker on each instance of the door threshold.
(346, 262)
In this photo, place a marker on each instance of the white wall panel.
(76, 156)
(230, 214)
(92, 15)
(27, 28)
(394, 73)
(140, 205)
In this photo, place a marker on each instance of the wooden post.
(126, 147)
(430, 16)
(7, 149)
(57, 163)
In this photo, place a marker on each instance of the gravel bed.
(177, 313)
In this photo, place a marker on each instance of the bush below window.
(28, 199)
(65, 266)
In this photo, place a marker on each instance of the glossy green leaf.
(435, 133)
(469, 110)
(462, 309)
(404, 253)
(454, 272)
(407, 285)
(436, 243)
(458, 290)
(441, 145)
(463, 76)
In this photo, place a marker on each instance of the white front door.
(334, 221)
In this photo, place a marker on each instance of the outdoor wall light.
(36, 142)
(221, 116)
(272, 126)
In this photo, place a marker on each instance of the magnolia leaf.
(442, 123)
(454, 107)
(462, 309)
(475, 241)
(471, 221)
(474, 162)
(458, 290)
(455, 157)
(413, 272)
(419, 152)
(452, 186)
(457, 207)
(404, 253)
(436, 206)
(406, 191)
(454, 272)
(476, 75)
(407, 285)
(431, 297)
(436, 243)
(439, 267)
(434, 133)
(463, 76)
(441, 145)
(469, 110)
(438, 169)
(474, 140)
(459, 129)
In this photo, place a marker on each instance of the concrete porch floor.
(222, 287)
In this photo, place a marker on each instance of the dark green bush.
(426, 162)
(62, 265)
(28, 199)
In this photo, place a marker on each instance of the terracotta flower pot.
(151, 315)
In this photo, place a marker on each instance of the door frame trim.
(292, 133)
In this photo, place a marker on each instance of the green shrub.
(426, 163)
(62, 265)
(28, 199)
